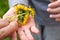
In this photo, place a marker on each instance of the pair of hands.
(11, 29)
(24, 33)
(54, 9)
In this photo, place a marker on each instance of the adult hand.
(54, 9)
(52, 0)
(24, 32)
(7, 28)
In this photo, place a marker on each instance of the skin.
(54, 9)
(23, 31)
(7, 28)
(5, 31)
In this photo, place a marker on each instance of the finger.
(54, 10)
(11, 12)
(55, 16)
(14, 36)
(58, 19)
(21, 34)
(8, 29)
(28, 34)
(3, 23)
(34, 29)
(54, 4)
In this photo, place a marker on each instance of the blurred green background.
(3, 7)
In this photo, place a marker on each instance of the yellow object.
(23, 13)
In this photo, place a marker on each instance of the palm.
(24, 31)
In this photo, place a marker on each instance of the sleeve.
(14, 2)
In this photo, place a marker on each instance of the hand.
(24, 31)
(54, 9)
(7, 28)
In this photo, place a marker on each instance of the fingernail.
(48, 9)
(49, 5)
(50, 16)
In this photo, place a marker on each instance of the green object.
(3, 7)
(8, 38)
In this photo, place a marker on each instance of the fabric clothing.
(48, 32)
(42, 16)
(14, 2)
(52, 33)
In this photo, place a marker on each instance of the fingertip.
(34, 30)
(14, 36)
(54, 4)
(49, 5)
(51, 16)
(22, 35)
(14, 23)
(48, 9)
